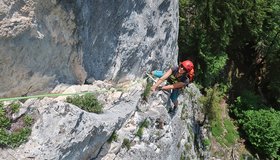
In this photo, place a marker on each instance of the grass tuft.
(87, 102)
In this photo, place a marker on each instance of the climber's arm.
(177, 85)
(163, 78)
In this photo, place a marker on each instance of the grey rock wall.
(43, 43)
(38, 47)
(123, 37)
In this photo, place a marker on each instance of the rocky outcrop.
(44, 43)
(175, 140)
(63, 131)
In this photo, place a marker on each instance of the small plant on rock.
(147, 91)
(113, 137)
(17, 138)
(206, 142)
(126, 143)
(28, 120)
(5, 122)
(15, 107)
(13, 133)
(143, 125)
(87, 102)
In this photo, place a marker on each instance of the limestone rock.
(64, 131)
(45, 43)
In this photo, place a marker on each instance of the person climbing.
(177, 78)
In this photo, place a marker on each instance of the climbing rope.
(60, 94)
(65, 94)
(43, 95)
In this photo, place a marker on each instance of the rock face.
(43, 43)
(63, 131)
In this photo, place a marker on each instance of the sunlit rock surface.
(64, 131)
(44, 43)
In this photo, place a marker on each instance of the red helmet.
(188, 65)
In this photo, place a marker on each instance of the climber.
(177, 78)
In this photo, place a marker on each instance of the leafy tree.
(204, 34)
(237, 41)
(254, 46)
(242, 34)
(262, 129)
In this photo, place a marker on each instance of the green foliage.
(204, 34)
(17, 138)
(10, 138)
(147, 91)
(260, 123)
(4, 137)
(224, 88)
(211, 103)
(182, 157)
(87, 102)
(15, 107)
(144, 124)
(217, 129)
(4, 121)
(263, 130)
(28, 120)
(14, 139)
(206, 142)
(139, 132)
(231, 134)
(113, 137)
(215, 65)
(246, 101)
(222, 129)
(246, 33)
(126, 143)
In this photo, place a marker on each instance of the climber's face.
(182, 69)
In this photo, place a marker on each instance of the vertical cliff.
(123, 37)
(43, 43)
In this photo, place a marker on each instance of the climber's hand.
(153, 88)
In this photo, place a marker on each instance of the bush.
(4, 121)
(260, 124)
(15, 107)
(246, 101)
(28, 120)
(263, 130)
(87, 102)
(17, 138)
(9, 137)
